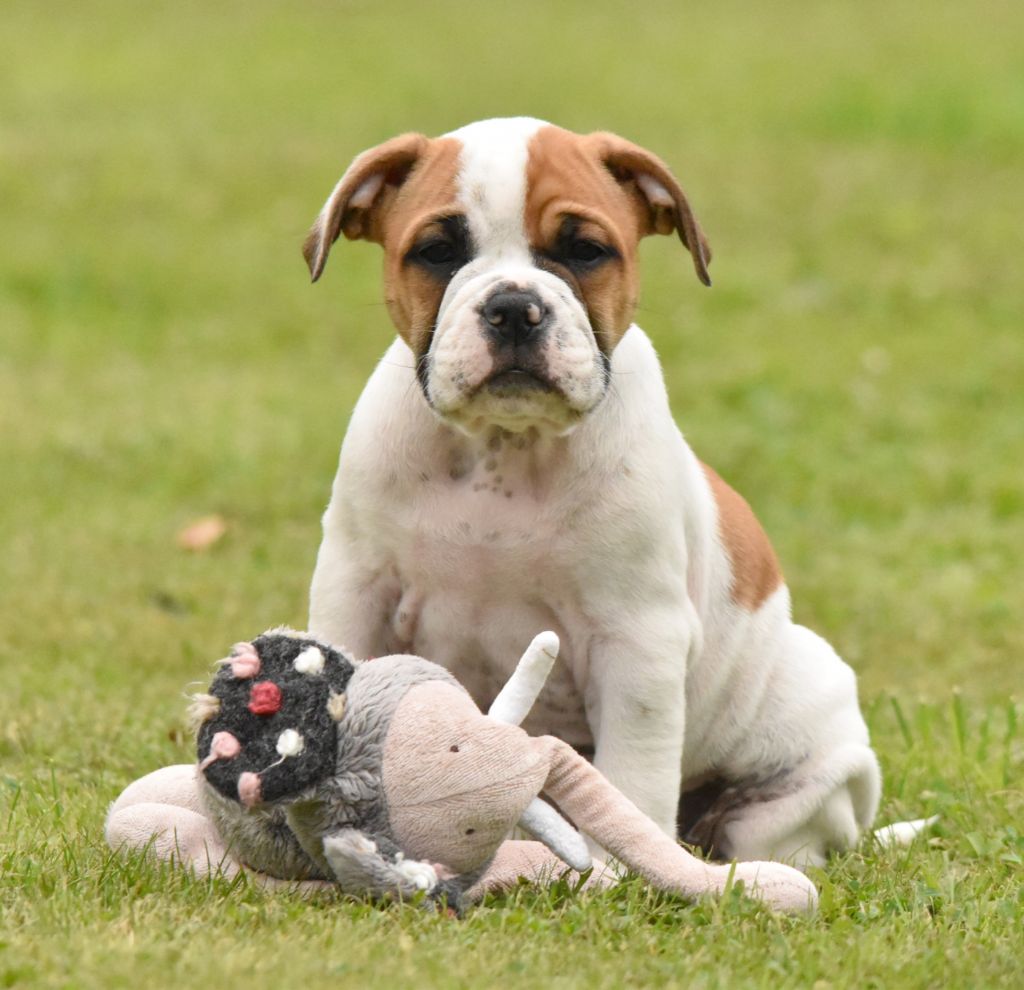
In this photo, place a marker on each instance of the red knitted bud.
(265, 698)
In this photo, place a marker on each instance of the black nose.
(514, 316)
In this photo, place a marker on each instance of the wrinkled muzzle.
(512, 347)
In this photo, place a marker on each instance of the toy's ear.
(660, 199)
(356, 206)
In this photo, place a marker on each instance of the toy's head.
(270, 729)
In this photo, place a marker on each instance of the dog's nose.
(514, 316)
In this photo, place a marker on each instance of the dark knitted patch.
(303, 708)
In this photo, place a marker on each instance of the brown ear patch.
(619, 188)
(755, 568)
(386, 196)
(360, 198)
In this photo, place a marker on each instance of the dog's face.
(510, 260)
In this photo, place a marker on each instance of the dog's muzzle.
(513, 348)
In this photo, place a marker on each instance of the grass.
(857, 371)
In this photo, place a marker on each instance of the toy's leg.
(620, 827)
(521, 859)
(163, 813)
(175, 785)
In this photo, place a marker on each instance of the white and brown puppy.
(513, 465)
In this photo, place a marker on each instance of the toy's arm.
(619, 826)
(372, 865)
(364, 864)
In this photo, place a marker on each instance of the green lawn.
(857, 371)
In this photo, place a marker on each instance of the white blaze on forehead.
(492, 183)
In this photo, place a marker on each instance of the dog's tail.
(903, 833)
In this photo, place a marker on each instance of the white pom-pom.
(309, 661)
(290, 743)
(421, 875)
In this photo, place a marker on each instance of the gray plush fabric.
(356, 794)
(260, 839)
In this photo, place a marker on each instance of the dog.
(513, 465)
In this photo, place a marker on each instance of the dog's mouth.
(515, 398)
(515, 382)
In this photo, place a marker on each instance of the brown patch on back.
(755, 568)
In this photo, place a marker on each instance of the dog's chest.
(482, 556)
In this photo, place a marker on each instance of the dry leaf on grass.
(201, 534)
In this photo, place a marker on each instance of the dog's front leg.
(350, 602)
(636, 705)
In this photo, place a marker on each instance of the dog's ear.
(661, 200)
(361, 197)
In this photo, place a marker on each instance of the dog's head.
(510, 260)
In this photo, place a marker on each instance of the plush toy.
(384, 778)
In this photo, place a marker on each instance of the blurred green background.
(857, 371)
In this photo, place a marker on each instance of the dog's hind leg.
(799, 817)
(809, 783)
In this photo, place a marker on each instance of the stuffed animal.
(384, 778)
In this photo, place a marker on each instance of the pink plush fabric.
(630, 836)
(163, 813)
(456, 781)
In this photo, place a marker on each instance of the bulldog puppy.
(513, 465)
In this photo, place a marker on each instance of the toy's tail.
(903, 833)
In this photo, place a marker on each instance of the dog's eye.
(438, 253)
(444, 247)
(585, 252)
